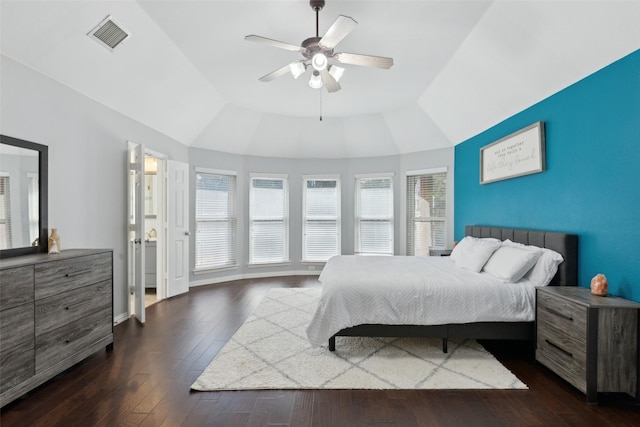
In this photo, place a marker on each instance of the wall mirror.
(23, 197)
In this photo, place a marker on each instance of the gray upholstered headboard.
(563, 243)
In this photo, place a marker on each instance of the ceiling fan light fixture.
(297, 69)
(315, 81)
(336, 72)
(319, 61)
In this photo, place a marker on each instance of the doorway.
(154, 227)
(158, 219)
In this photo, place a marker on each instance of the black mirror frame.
(43, 193)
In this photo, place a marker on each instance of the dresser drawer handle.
(557, 313)
(557, 347)
(77, 273)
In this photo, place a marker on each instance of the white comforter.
(403, 290)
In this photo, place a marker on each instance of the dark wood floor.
(145, 381)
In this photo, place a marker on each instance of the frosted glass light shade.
(336, 72)
(315, 81)
(297, 69)
(319, 61)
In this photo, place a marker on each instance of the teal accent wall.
(591, 186)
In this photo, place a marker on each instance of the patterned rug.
(271, 351)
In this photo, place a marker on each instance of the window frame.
(306, 220)
(232, 219)
(252, 262)
(358, 218)
(444, 219)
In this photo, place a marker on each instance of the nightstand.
(590, 341)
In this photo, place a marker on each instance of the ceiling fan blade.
(329, 82)
(274, 43)
(364, 60)
(275, 74)
(338, 31)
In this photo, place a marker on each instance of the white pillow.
(472, 253)
(509, 263)
(545, 268)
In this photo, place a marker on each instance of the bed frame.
(567, 275)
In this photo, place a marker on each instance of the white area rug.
(271, 351)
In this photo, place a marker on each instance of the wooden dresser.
(55, 310)
(590, 341)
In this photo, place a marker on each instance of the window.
(321, 218)
(268, 219)
(33, 202)
(215, 220)
(374, 215)
(426, 212)
(5, 213)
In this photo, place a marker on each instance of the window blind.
(321, 219)
(5, 213)
(426, 213)
(269, 220)
(33, 202)
(374, 216)
(216, 221)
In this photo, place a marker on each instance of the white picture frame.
(521, 153)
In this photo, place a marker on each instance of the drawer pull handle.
(77, 273)
(557, 313)
(66, 308)
(557, 347)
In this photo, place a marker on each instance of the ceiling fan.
(318, 50)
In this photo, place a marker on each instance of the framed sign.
(521, 153)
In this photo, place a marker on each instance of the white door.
(178, 227)
(136, 229)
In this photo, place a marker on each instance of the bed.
(339, 310)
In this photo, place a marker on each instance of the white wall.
(87, 173)
(87, 160)
(295, 169)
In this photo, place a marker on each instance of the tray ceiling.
(186, 71)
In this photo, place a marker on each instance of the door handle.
(137, 241)
(186, 233)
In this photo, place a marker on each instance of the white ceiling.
(186, 71)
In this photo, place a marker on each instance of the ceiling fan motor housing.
(316, 4)
(312, 46)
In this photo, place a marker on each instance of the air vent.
(109, 34)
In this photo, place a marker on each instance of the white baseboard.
(120, 318)
(232, 277)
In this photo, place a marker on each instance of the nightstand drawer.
(560, 354)
(560, 316)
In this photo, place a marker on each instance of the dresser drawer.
(16, 286)
(16, 364)
(56, 311)
(16, 326)
(71, 338)
(53, 278)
